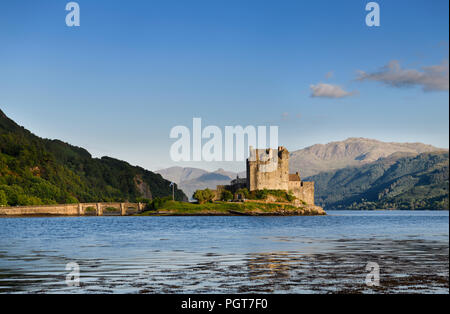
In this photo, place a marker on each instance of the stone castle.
(269, 169)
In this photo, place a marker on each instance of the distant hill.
(36, 171)
(191, 179)
(351, 152)
(310, 161)
(395, 182)
(180, 174)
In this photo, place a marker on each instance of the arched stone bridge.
(109, 208)
(81, 209)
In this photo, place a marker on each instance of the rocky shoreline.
(237, 209)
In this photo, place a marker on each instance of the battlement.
(265, 154)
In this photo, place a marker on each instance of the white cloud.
(431, 78)
(329, 91)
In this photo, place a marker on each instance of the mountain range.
(35, 171)
(354, 173)
(399, 181)
(191, 179)
(350, 152)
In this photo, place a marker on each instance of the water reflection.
(270, 266)
(407, 266)
(224, 255)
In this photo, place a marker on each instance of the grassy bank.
(174, 208)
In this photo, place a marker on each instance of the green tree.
(24, 200)
(3, 198)
(290, 196)
(226, 196)
(262, 194)
(243, 193)
(198, 195)
(204, 196)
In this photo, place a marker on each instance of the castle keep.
(269, 169)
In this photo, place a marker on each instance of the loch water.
(218, 254)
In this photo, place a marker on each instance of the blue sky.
(117, 84)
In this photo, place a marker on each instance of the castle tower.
(268, 169)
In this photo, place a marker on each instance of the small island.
(268, 190)
(175, 208)
(259, 203)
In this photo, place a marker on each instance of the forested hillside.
(37, 171)
(397, 182)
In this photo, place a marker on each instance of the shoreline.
(229, 213)
(164, 214)
(168, 208)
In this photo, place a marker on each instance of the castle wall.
(262, 173)
(294, 185)
(303, 191)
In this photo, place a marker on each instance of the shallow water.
(323, 254)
